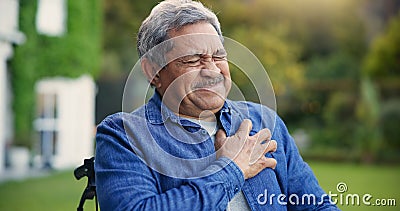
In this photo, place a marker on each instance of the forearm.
(131, 190)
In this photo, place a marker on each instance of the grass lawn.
(382, 182)
(61, 191)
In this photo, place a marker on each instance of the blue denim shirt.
(151, 159)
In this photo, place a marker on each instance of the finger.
(260, 165)
(269, 162)
(257, 152)
(263, 135)
(272, 146)
(220, 138)
(244, 129)
(265, 147)
(220, 134)
(265, 163)
(261, 149)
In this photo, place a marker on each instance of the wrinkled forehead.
(185, 45)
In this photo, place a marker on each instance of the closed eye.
(191, 61)
(219, 58)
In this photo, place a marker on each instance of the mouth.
(208, 83)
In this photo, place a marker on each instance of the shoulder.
(113, 119)
(120, 120)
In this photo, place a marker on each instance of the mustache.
(208, 83)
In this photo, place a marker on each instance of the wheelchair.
(87, 170)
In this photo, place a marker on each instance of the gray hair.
(172, 14)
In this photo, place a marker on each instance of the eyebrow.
(221, 51)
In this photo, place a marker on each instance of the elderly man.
(190, 148)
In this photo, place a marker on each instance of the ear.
(151, 70)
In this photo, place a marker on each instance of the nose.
(210, 68)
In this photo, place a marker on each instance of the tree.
(383, 60)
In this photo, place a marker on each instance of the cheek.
(165, 79)
(225, 70)
(178, 82)
(227, 75)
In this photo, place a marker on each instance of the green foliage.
(369, 134)
(71, 55)
(379, 116)
(338, 117)
(335, 77)
(383, 58)
(337, 65)
(389, 121)
(122, 20)
(278, 56)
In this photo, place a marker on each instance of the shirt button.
(236, 189)
(203, 132)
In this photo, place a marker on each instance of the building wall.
(3, 101)
(9, 35)
(73, 122)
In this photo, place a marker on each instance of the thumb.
(220, 138)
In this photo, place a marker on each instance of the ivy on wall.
(75, 53)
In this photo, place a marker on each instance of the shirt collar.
(157, 112)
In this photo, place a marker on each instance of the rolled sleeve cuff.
(231, 176)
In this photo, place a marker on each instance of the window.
(46, 126)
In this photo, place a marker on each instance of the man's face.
(197, 80)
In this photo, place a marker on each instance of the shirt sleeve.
(301, 182)
(125, 182)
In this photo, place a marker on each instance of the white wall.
(51, 17)
(9, 34)
(3, 100)
(76, 118)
